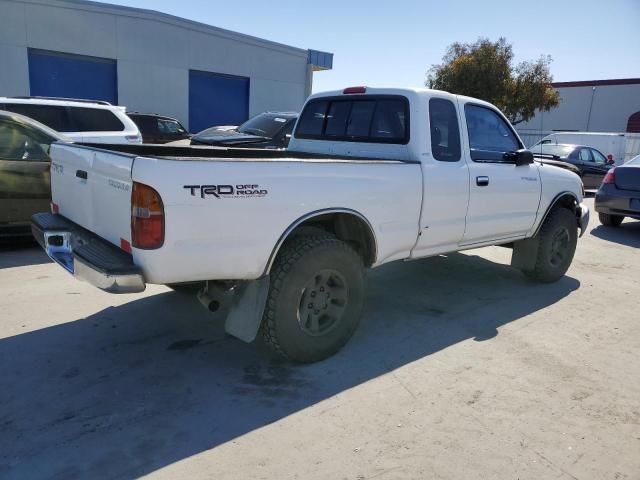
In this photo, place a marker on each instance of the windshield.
(555, 150)
(264, 125)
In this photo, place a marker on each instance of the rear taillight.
(147, 217)
(55, 209)
(133, 138)
(610, 177)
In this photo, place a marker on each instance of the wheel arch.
(566, 199)
(347, 224)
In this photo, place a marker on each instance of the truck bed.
(206, 153)
(231, 204)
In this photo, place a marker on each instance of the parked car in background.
(619, 147)
(591, 163)
(24, 171)
(80, 120)
(266, 130)
(619, 194)
(158, 128)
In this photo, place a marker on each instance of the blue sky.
(383, 43)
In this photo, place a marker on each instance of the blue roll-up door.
(216, 99)
(55, 74)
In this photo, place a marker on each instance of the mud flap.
(245, 315)
(525, 254)
(241, 306)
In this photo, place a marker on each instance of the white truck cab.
(277, 241)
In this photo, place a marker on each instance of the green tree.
(485, 70)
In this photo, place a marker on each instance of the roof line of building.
(155, 15)
(597, 83)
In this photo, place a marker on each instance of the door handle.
(81, 174)
(482, 181)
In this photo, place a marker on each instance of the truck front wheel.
(557, 241)
(315, 300)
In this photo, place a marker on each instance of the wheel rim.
(559, 247)
(323, 301)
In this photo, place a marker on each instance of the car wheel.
(557, 240)
(315, 300)
(612, 220)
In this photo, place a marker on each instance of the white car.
(280, 240)
(87, 121)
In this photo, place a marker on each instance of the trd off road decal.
(226, 191)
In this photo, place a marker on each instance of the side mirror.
(611, 161)
(521, 157)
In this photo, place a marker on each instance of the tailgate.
(92, 188)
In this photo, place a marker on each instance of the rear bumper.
(86, 256)
(618, 202)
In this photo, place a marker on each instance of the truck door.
(503, 197)
(446, 182)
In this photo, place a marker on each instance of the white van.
(89, 121)
(618, 147)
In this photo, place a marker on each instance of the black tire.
(315, 299)
(611, 220)
(557, 240)
(186, 288)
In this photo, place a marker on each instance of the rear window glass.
(95, 120)
(367, 119)
(311, 122)
(53, 116)
(337, 119)
(634, 161)
(360, 119)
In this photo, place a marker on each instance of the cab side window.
(445, 134)
(598, 157)
(585, 155)
(490, 137)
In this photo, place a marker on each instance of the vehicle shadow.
(137, 387)
(21, 253)
(628, 233)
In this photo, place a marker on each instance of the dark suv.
(266, 130)
(591, 163)
(158, 128)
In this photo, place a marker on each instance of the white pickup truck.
(278, 242)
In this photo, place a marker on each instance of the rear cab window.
(351, 118)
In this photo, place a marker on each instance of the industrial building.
(589, 106)
(149, 62)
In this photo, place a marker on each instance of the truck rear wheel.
(557, 241)
(315, 300)
(613, 220)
